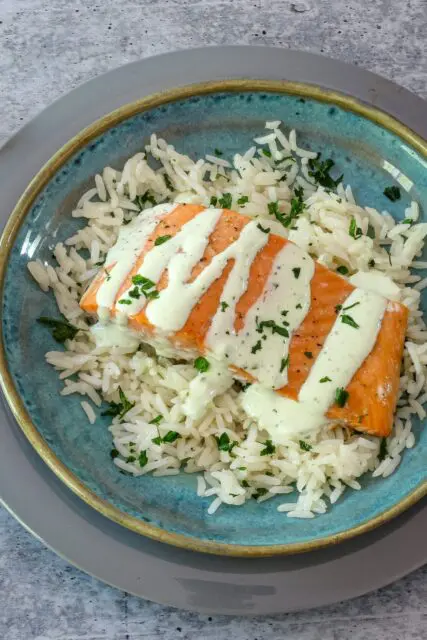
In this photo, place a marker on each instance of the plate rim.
(15, 222)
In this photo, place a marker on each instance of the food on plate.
(216, 283)
(245, 320)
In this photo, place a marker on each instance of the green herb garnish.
(257, 347)
(134, 293)
(119, 408)
(146, 197)
(271, 324)
(296, 271)
(325, 379)
(125, 301)
(161, 240)
(371, 263)
(260, 492)
(342, 270)
(157, 419)
(201, 364)
(213, 201)
(284, 363)
(263, 229)
(267, 153)
(269, 448)
(298, 306)
(142, 459)
(142, 281)
(168, 182)
(224, 443)
(243, 200)
(319, 170)
(383, 449)
(171, 436)
(341, 396)
(61, 329)
(353, 230)
(392, 193)
(346, 319)
(305, 446)
(226, 201)
(350, 306)
(224, 305)
(218, 152)
(308, 355)
(114, 453)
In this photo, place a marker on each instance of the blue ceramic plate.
(366, 145)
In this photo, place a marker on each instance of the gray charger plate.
(98, 546)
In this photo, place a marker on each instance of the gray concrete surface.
(48, 47)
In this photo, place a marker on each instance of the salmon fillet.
(374, 387)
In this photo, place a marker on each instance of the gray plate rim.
(178, 577)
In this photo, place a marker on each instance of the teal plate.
(367, 146)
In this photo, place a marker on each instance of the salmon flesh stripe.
(373, 390)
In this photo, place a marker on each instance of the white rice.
(317, 474)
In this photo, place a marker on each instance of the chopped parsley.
(353, 230)
(260, 492)
(130, 459)
(298, 306)
(218, 152)
(157, 419)
(392, 193)
(142, 459)
(140, 201)
(243, 200)
(305, 446)
(269, 448)
(107, 275)
(325, 379)
(224, 443)
(275, 328)
(267, 153)
(134, 293)
(296, 271)
(383, 449)
(370, 232)
(350, 306)
(146, 287)
(341, 396)
(342, 270)
(226, 201)
(263, 229)
(170, 437)
(119, 408)
(161, 240)
(308, 355)
(319, 170)
(407, 221)
(257, 347)
(61, 329)
(201, 364)
(338, 308)
(168, 182)
(224, 305)
(371, 263)
(114, 453)
(346, 319)
(297, 207)
(213, 201)
(245, 484)
(284, 363)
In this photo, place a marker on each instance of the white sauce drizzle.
(343, 353)
(287, 290)
(124, 254)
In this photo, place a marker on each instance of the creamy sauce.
(285, 299)
(343, 352)
(261, 346)
(124, 254)
(206, 386)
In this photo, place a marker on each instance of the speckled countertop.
(48, 47)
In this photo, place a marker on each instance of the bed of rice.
(309, 481)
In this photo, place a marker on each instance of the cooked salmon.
(371, 395)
